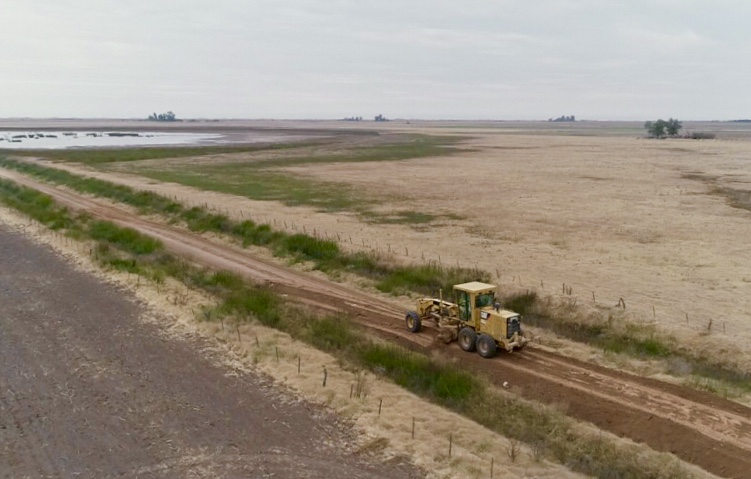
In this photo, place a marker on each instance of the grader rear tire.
(486, 346)
(467, 339)
(413, 321)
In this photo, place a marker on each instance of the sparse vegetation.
(606, 333)
(325, 254)
(35, 205)
(700, 135)
(101, 157)
(443, 384)
(262, 178)
(735, 197)
(629, 338)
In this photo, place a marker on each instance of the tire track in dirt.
(717, 423)
(712, 433)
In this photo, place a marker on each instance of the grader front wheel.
(413, 322)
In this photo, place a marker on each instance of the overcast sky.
(431, 59)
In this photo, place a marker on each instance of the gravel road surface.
(89, 389)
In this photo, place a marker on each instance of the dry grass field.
(612, 217)
(594, 206)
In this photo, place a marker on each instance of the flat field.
(661, 224)
(588, 215)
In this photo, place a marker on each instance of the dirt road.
(699, 428)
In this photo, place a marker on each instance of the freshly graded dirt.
(88, 389)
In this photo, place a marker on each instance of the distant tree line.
(359, 118)
(563, 118)
(169, 116)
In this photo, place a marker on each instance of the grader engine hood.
(504, 326)
(500, 315)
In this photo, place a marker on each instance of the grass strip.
(406, 147)
(35, 205)
(116, 155)
(323, 253)
(263, 177)
(551, 433)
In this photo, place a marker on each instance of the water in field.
(30, 140)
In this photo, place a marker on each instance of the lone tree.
(662, 128)
(672, 127)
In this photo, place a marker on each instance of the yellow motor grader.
(475, 320)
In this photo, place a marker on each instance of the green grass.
(262, 178)
(445, 384)
(126, 239)
(429, 278)
(253, 302)
(324, 254)
(417, 373)
(332, 334)
(35, 205)
(309, 248)
(403, 148)
(262, 185)
(114, 244)
(218, 282)
(125, 155)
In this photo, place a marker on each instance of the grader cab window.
(484, 300)
(465, 312)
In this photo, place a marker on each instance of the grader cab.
(475, 320)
